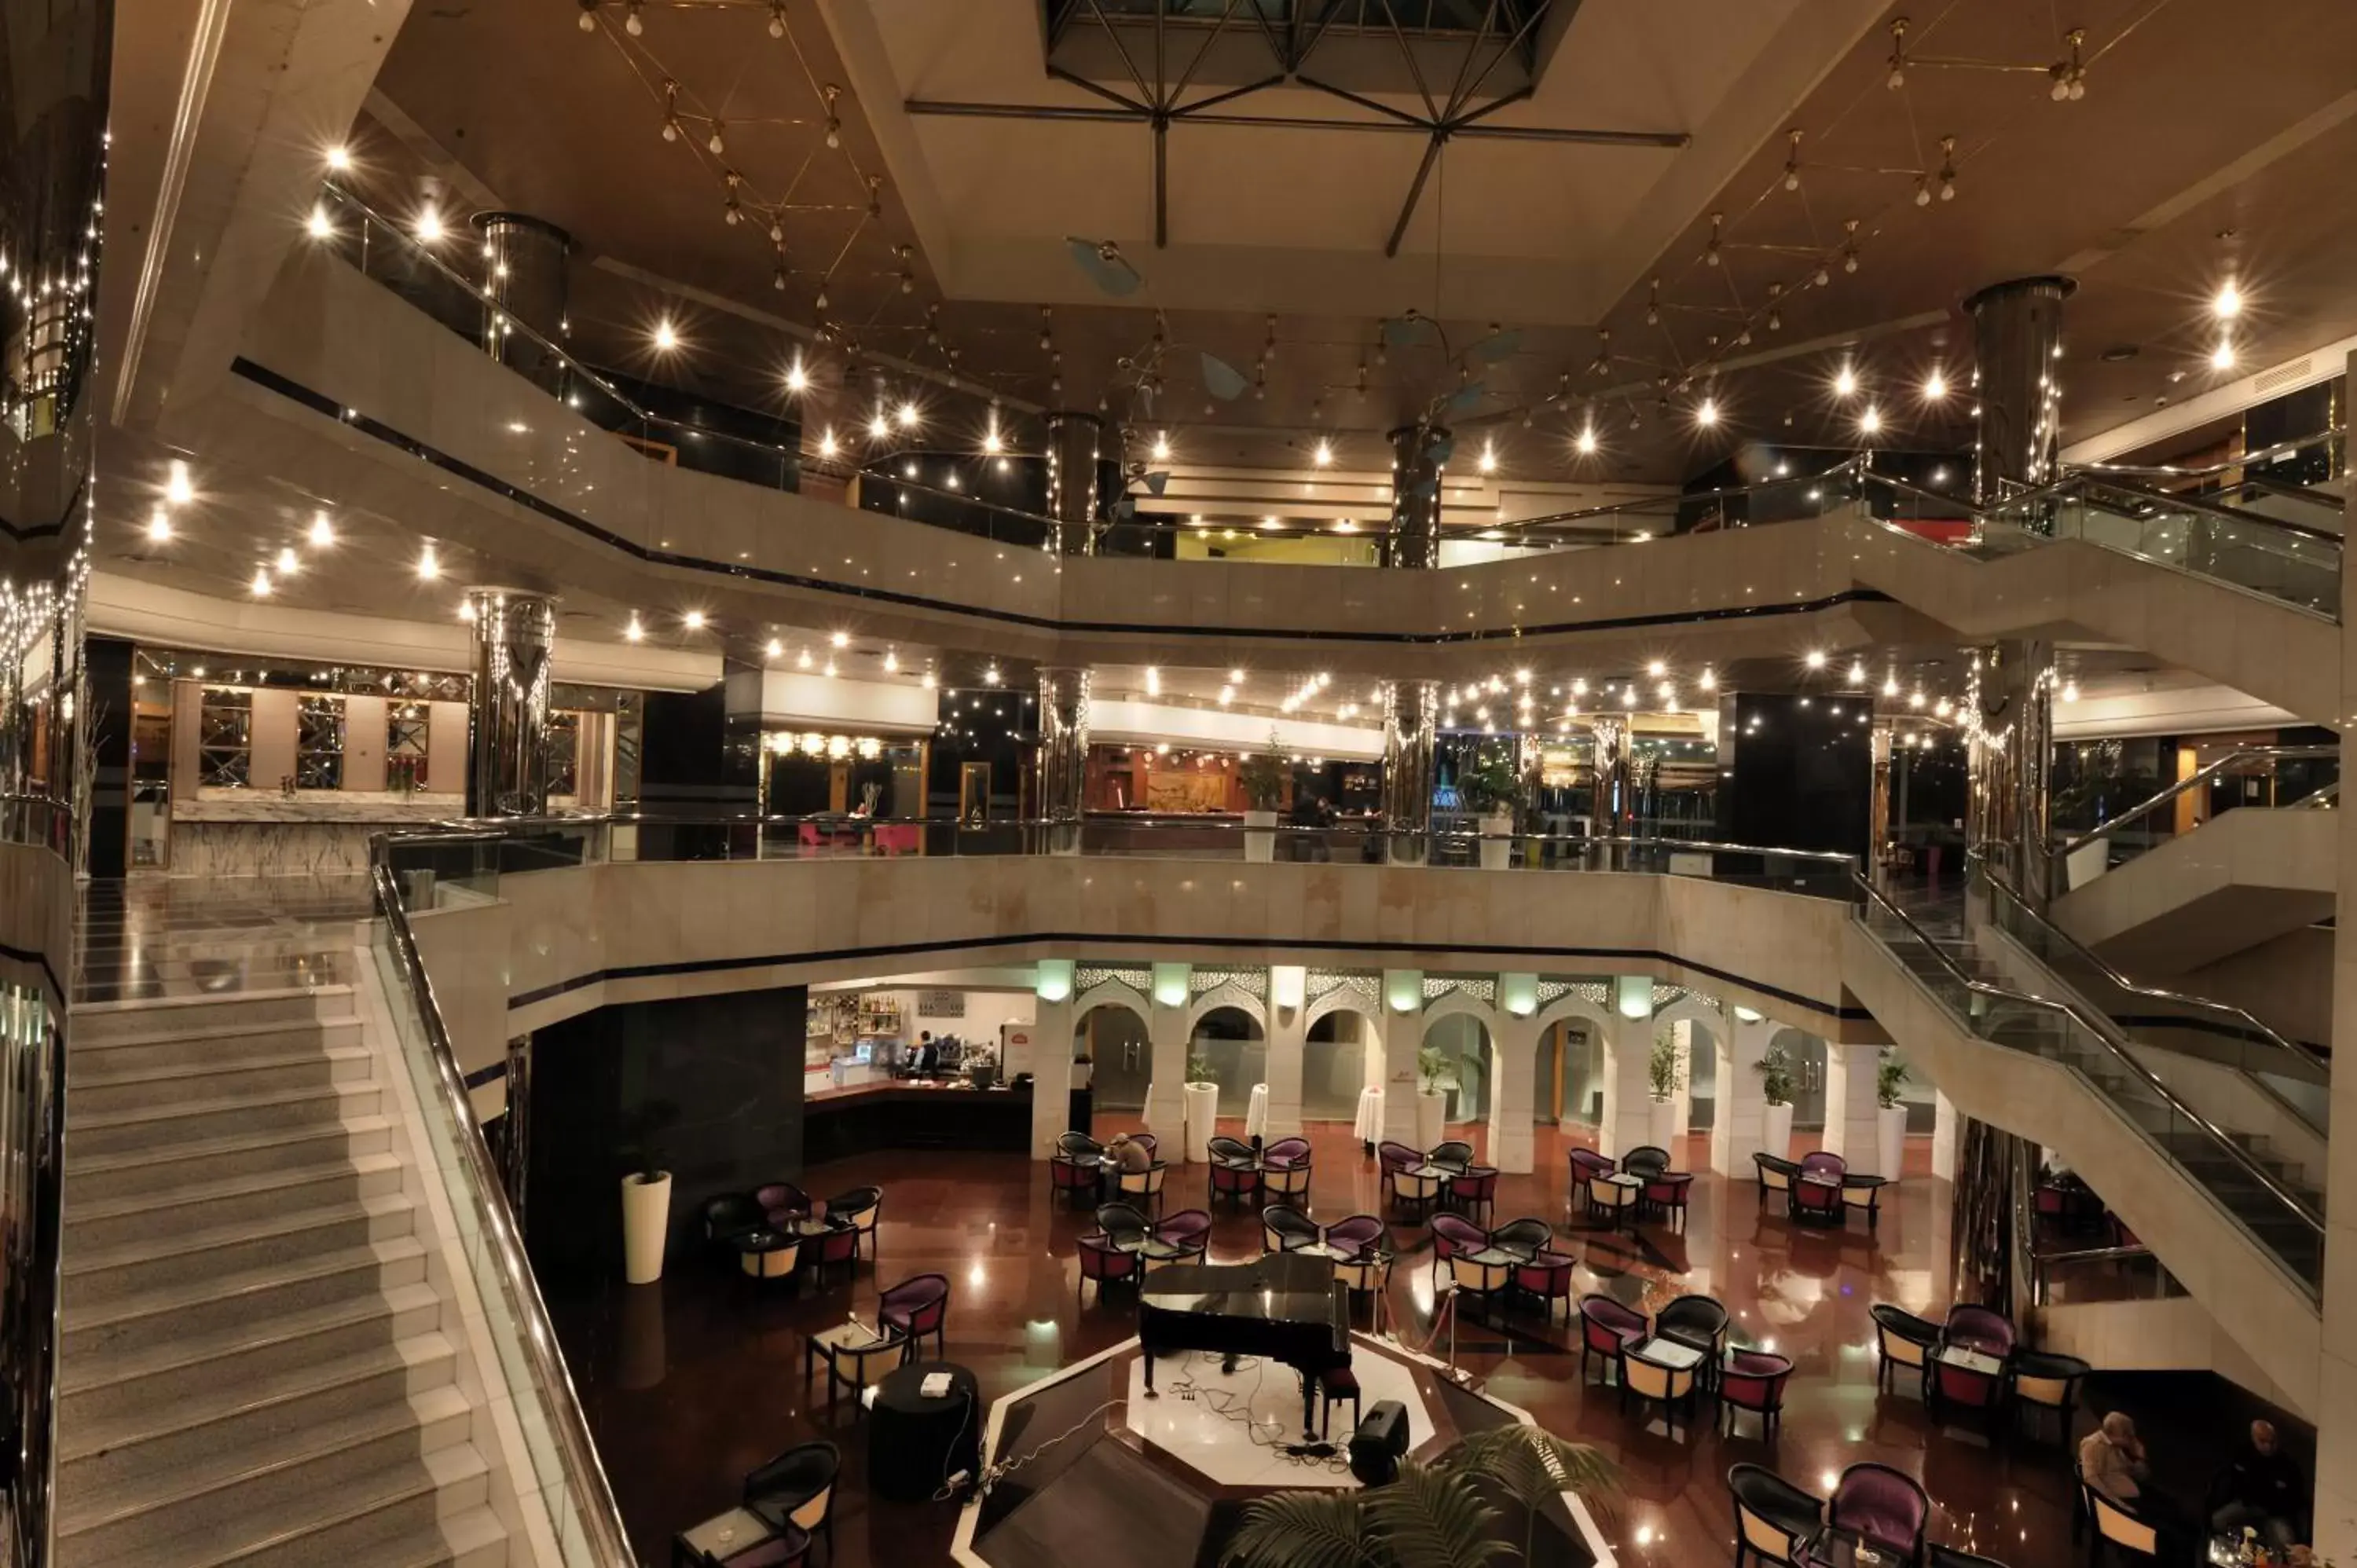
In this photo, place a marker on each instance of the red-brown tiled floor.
(690, 1383)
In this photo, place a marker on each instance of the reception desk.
(909, 1115)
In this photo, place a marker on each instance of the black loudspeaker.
(1379, 1442)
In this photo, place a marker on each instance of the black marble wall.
(695, 761)
(718, 1078)
(107, 666)
(1796, 772)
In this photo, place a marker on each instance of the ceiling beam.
(954, 109)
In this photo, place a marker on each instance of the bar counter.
(910, 1115)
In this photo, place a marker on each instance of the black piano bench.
(1336, 1384)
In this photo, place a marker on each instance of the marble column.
(1075, 452)
(1403, 1037)
(1514, 1074)
(1627, 1118)
(2010, 686)
(2017, 345)
(1945, 1121)
(1289, 1006)
(524, 287)
(1166, 1036)
(1062, 759)
(1850, 1072)
(1878, 805)
(507, 710)
(1411, 725)
(1735, 1137)
(2336, 1432)
(1051, 1054)
(1419, 454)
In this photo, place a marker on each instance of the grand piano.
(1285, 1307)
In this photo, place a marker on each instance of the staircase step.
(253, 1480)
(169, 1047)
(160, 1317)
(134, 1172)
(99, 1457)
(111, 1384)
(101, 1275)
(393, 1510)
(96, 1022)
(473, 1539)
(106, 1222)
(223, 1077)
(156, 1126)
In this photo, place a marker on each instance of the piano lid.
(1277, 1288)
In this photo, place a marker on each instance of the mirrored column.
(524, 280)
(1062, 760)
(2017, 346)
(1419, 455)
(1411, 725)
(1076, 444)
(507, 712)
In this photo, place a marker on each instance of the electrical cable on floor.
(1224, 1403)
(994, 1473)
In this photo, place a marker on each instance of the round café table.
(915, 1443)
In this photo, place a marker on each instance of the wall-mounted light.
(1054, 982)
(1170, 985)
(1289, 984)
(1403, 989)
(1745, 1015)
(1633, 995)
(1519, 993)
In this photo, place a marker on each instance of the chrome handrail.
(2105, 830)
(2076, 487)
(600, 1519)
(2118, 1044)
(2171, 471)
(2316, 1069)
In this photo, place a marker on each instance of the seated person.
(1130, 1156)
(2261, 1489)
(2112, 1460)
(926, 1060)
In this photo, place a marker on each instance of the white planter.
(1431, 1117)
(1776, 1129)
(1202, 1108)
(2086, 863)
(1497, 849)
(1260, 836)
(646, 1222)
(1665, 1129)
(1889, 1140)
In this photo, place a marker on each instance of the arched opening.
(1229, 1049)
(1114, 1041)
(1334, 1065)
(1571, 1073)
(1807, 1054)
(1457, 1048)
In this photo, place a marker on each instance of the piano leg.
(1149, 1377)
(1309, 1403)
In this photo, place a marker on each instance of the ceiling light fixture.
(907, 416)
(826, 443)
(1844, 382)
(159, 525)
(634, 632)
(1707, 413)
(1935, 387)
(1815, 659)
(429, 565)
(2222, 358)
(261, 583)
(694, 619)
(666, 338)
(1324, 456)
(1162, 446)
(288, 562)
(1870, 421)
(2228, 304)
(892, 661)
(796, 379)
(840, 640)
(1587, 442)
(320, 228)
(323, 532)
(177, 488)
(430, 225)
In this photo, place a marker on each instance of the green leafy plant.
(1433, 1066)
(643, 1138)
(1447, 1514)
(1198, 1067)
(1662, 1074)
(1775, 1069)
(1490, 782)
(1262, 775)
(1888, 1076)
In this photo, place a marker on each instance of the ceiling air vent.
(2282, 376)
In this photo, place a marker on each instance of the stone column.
(1403, 1036)
(2336, 1431)
(1850, 1072)
(1878, 806)
(2017, 341)
(1514, 1074)
(1419, 454)
(1735, 1136)
(507, 710)
(1945, 1121)
(1166, 1036)
(1052, 1056)
(1610, 737)
(525, 278)
(1288, 1005)
(1411, 724)
(1062, 758)
(2010, 688)
(1075, 451)
(1628, 1120)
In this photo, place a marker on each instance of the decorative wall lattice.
(1436, 986)
(1088, 977)
(1251, 982)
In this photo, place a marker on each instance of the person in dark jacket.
(2261, 1489)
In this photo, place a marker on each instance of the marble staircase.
(257, 1368)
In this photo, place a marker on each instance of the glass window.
(564, 753)
(224, 738)
(319, 743)
(1229, 1044)
(408, 728)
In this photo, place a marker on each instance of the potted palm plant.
(1202, 1103)
(1436, 1076)
(1775, 1069)
(1263, 778)
(1890, 1115)
(1490, 787)
(646, 1191)
(1477, 1504)
(1664, 1076)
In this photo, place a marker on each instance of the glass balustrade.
(2290, 562)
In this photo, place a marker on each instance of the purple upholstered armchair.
(1883, 1505)
(1606, 1329)
(914, 1308)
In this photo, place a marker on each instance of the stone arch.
(1342, 1000)
(1458, 1002)
(1110, 994)
(1693, 1009)
(1573, 1005)
(1227, 995)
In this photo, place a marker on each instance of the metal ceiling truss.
(1506, 30)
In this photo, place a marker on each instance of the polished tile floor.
(690, 1383)
(178, 936)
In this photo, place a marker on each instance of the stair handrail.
(2291, 447)
(2077, 485)
(2105, 830)
(2107, 1034)
(600, 1518)
(2310, 1060)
